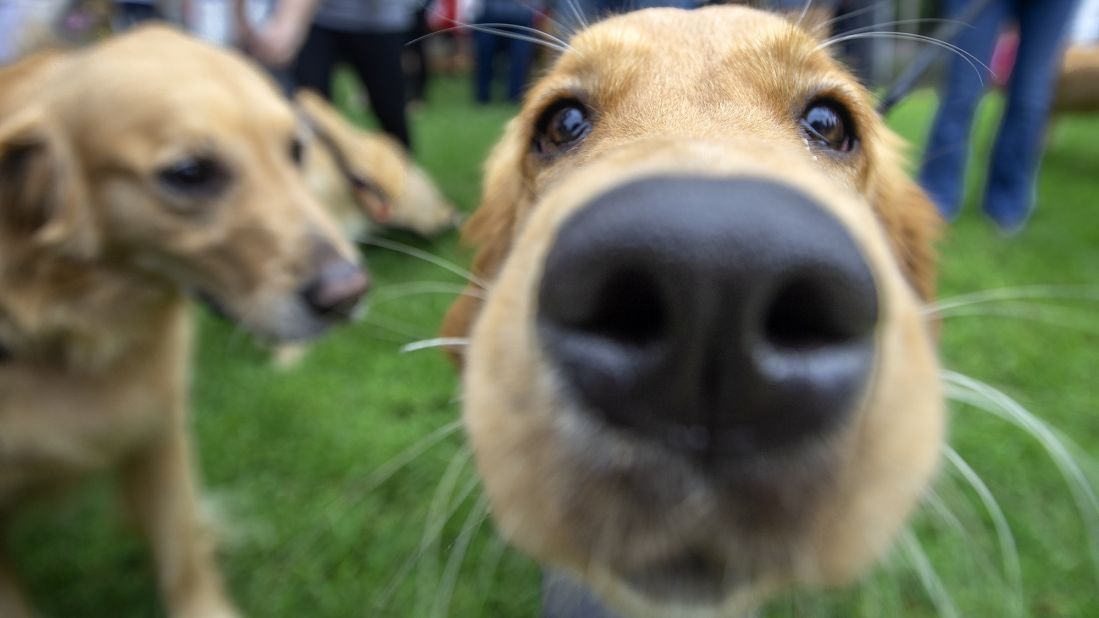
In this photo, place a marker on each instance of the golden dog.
(134, 174)
(701, 375)
(368, 180)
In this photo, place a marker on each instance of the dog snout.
(722, 317)
(336, 290)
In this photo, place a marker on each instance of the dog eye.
(297, 151)
(562, 127)
(194, 177)
(827, 123)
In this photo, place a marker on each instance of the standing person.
(130, 13)
(486, 47)
(1009, 196)
(313, 36)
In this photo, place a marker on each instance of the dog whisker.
(425, 256)
(970, 59)
(393, 326)
(445, 503)
(437, 342)
(458, 553)
(967, 390)
(404, 290)
(902, 22)
(1008, 548)
(1042, 314)
(927, 575)
(574, 8)
(849, 15)
(1031, 292)
(550, 42)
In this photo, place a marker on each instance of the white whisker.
(438, 342)
(425, 256)
(931, 581)
(1030, 292)
(458, 552)
(413, 288)
(396, 327)
(984, 397)
(970, 59)
(1008, 549)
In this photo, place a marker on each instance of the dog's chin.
(272, 322)
(670, 531)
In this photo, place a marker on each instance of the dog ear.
(913, 226)
(42, 196)
(491, 230)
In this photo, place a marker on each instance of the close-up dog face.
(195, 186)
(702, 373)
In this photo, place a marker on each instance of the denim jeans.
(1009, 194)
(487, 47)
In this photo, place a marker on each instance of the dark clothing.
(131, 14)
(1009, 196)
(488, 46)
(376, 59)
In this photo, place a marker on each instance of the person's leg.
(947, 150)
(1009, 196)
(484, 59)
(417, 50)
(520, 55)
(376, 58)
(315, 62)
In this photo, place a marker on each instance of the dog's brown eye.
(297, 151)
(828, 124)
(562, 127)
(194, 177)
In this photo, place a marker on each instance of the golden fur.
(412, 201)
(1078, 85)
(714, 92)
(97, 255)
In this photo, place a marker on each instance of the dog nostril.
(806, 315)
(336, 292)
(628, 310)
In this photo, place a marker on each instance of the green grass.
(292, 460)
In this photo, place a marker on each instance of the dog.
(698, 373)
(368, 180)
(1077, 89)
(134, 176)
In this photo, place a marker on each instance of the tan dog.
(702, 374)
(131, 175)
(1078, 85)
(368, 180)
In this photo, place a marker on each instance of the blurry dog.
(701, 374)
(368, 180)
(133, 176)
(1077, 88)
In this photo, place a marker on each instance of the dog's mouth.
(692, 577)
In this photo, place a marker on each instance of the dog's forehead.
(714, 61)
(157, 73)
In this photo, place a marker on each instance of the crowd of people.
(302, 42)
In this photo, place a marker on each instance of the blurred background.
(344, 485)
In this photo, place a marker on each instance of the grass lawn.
(322, 521)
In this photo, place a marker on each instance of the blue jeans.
(594, 10)
(1009, 194)
(487, 46)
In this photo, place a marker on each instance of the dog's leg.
(161, 490)
(12, 602)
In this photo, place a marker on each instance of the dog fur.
(98, 256)
(714, 92)
(392, 190)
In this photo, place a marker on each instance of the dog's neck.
(82, 316)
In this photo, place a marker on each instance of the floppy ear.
(912, 224)
(491, 230)
(42, 196)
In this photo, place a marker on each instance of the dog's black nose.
(336, 290)
(721, 316)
